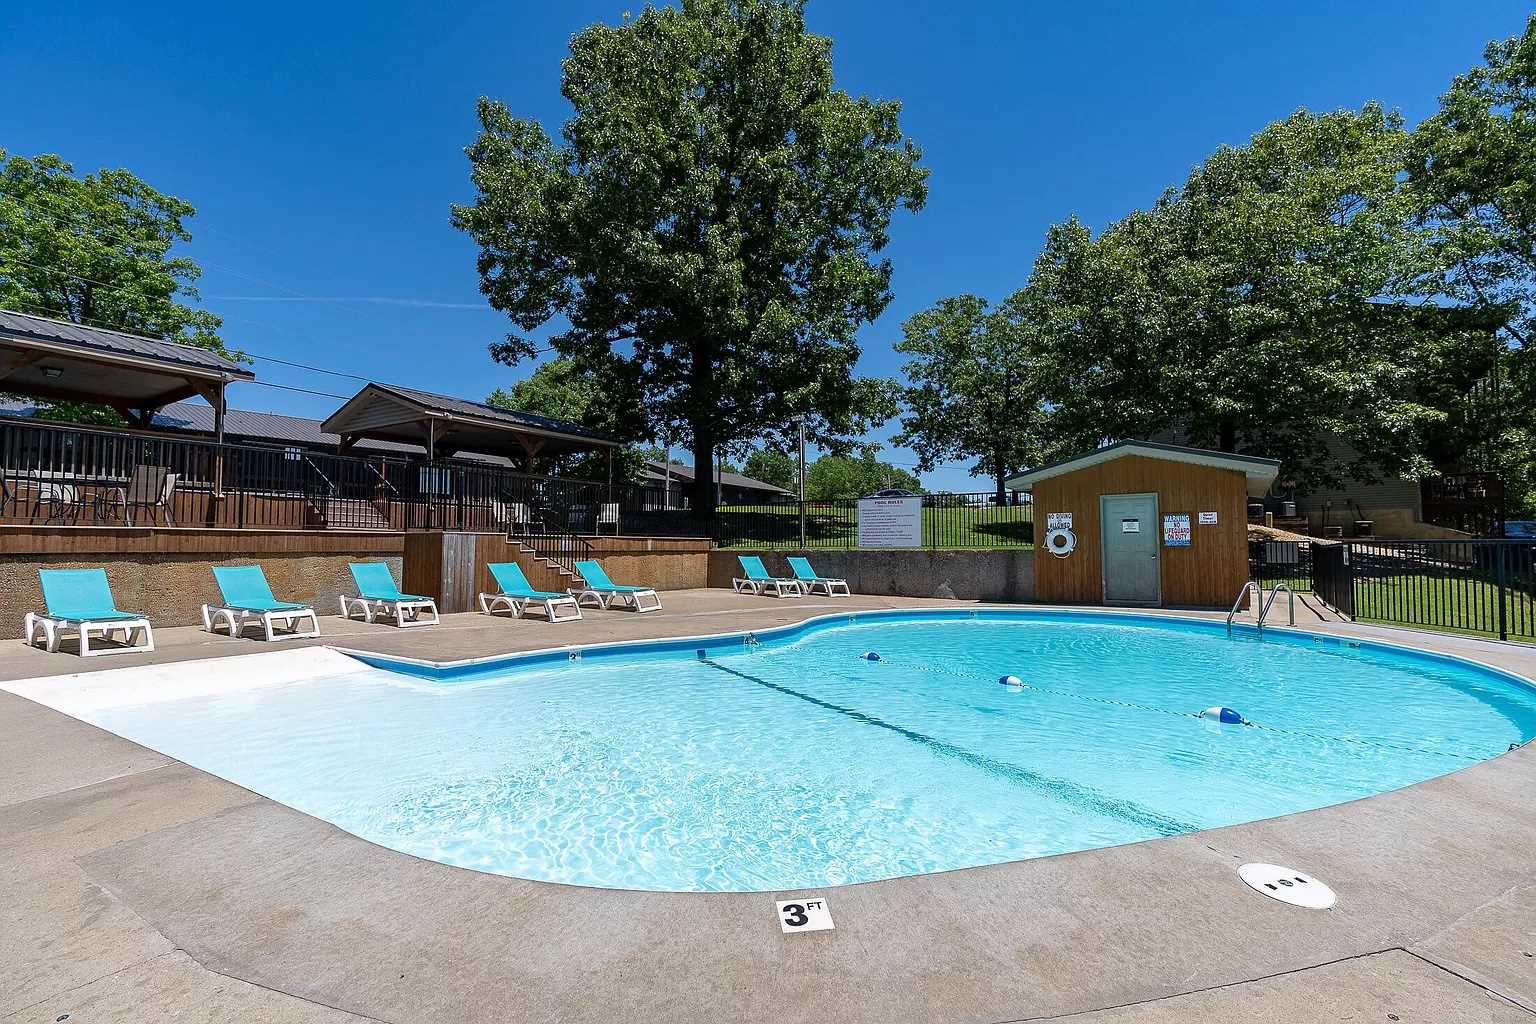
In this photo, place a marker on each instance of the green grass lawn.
(1443, 603)
(984, 526)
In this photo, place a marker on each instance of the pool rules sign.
(890, 522)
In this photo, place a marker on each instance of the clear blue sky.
(323, 143)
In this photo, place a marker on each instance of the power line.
(302, 391)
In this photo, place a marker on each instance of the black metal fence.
(1486, 587)
(68, 475)
(949, 521)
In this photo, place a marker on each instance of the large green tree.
(1273, 304)
(710, 221)
(96, 249)
(1472, 167)
(976, 387)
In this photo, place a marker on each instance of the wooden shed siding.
(1208, 572)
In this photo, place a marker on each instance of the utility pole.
(800, 423)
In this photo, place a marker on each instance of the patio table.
(62, 490)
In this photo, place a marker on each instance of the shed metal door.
(1131, 570)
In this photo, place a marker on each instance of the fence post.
(1501, 577)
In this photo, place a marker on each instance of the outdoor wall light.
(52, 372)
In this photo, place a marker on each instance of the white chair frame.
(646, 600)
(742, 584)
(237, 618)
(404, 613)
(51, 630)
(831, 586)
(490, 604)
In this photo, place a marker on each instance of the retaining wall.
(986, 574)
(166, 573)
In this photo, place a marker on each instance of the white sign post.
(890, 522)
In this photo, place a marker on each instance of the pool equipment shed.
(1141, 523)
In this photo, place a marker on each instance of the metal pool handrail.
(1264, 604)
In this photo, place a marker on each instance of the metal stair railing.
(1264, 605)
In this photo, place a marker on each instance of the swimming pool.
(787, 760)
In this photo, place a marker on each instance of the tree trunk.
(1229, 435)
(703, 471)
(701, 383)
(1000, 474)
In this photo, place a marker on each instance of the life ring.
(1060, 542)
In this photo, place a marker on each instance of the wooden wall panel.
(1208, 573)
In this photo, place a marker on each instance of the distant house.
(243, 426)
(735, 489)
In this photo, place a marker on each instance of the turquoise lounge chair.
(517, 594)
(81, 600)
(247, 596)
(806, 575)
(756, 579)
(377, 594)
(603, 590)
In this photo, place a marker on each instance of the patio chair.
(63, 501)
(247, 596)
(755, 578)
(602, 589)
(377, 595)
(608, 515)
(81, 600)
(511, 516)
(516, 594)
(801, 567)
(150, 488)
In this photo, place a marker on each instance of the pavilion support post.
(219, 408)
(432, 473)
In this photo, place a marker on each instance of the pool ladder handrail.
(1264, 605)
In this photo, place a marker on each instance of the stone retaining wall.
(988, 574)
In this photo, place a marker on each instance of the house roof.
(99, 339)
(55, 359)
(1260, 472)
(387, 412)
(245, 424)
(655, 469)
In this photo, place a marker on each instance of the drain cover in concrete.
(1287, 885)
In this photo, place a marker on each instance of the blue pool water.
(794, 762)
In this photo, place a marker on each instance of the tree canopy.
(558, 389)
(773, 466)
(1273, 304)
(975, 387)
(1472, 166)
(708, 227)
(834, 476)
(96, 249)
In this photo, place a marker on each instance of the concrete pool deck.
(135, 888)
